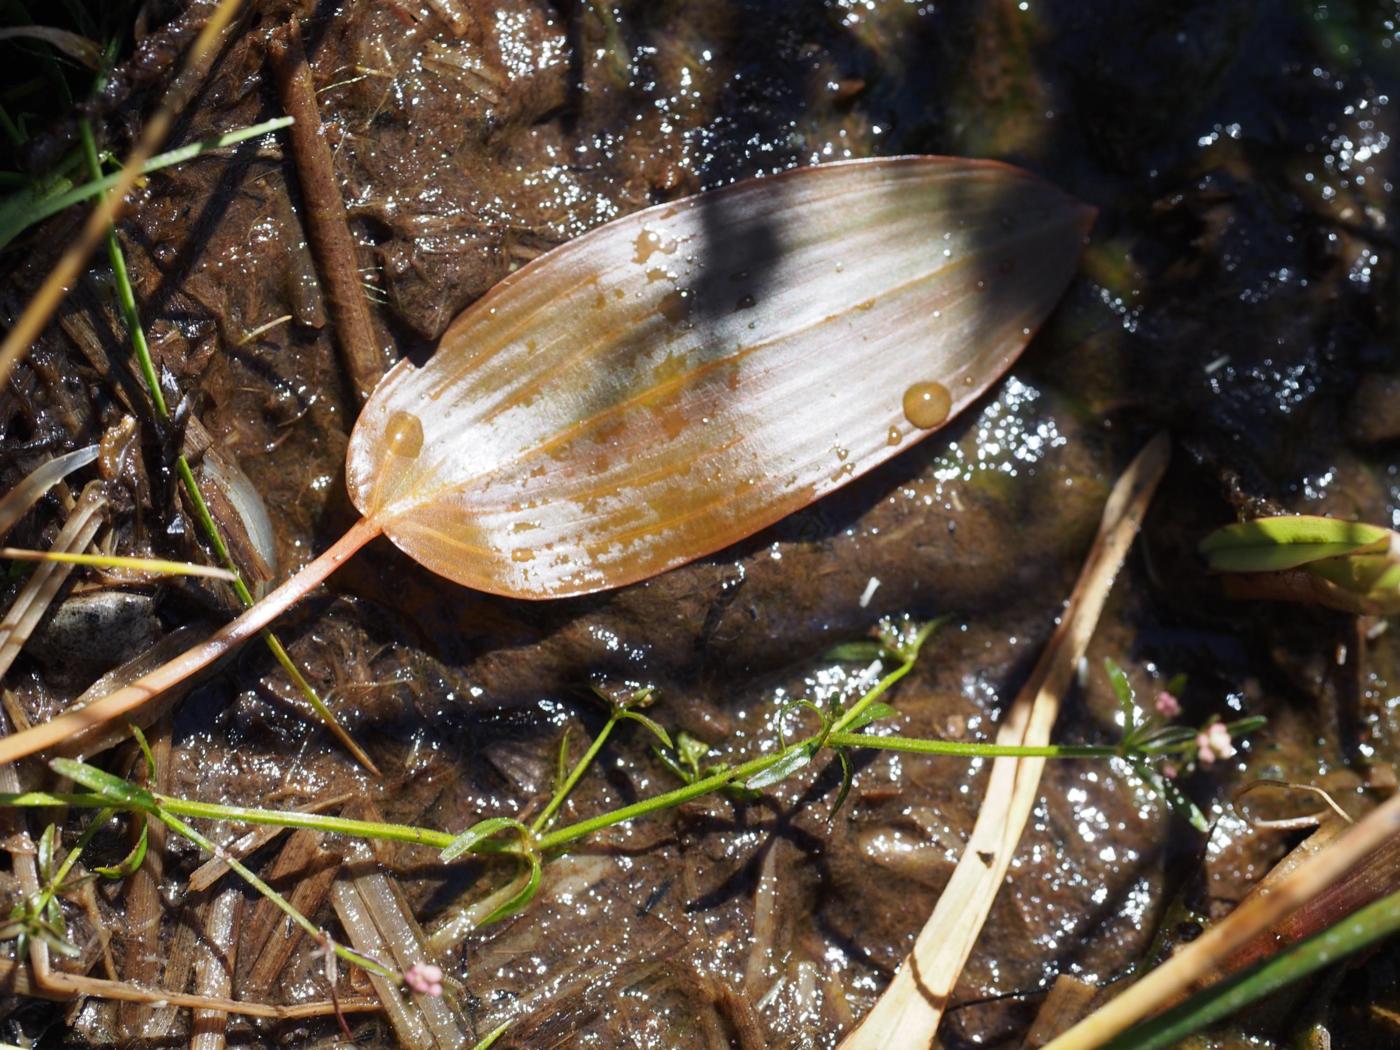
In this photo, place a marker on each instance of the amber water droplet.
(894, 436)
(927, 404)
(404, 435)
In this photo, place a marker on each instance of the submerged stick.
(326, 222)
(909, 1011)
(200, 656)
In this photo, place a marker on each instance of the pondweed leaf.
(677, 379)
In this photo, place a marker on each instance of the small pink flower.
(1167, 705)
(1170, 770)
(424, 978)
(1214, 742)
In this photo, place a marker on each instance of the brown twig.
(326, 222)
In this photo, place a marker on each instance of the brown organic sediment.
(109, 206)
(327, 224)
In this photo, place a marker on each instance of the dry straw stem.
(1193, 965)
(159, 566)
(912, 1006)
(40, 308)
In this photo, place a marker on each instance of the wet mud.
(1238, 291)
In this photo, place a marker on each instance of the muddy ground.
(1238, 292)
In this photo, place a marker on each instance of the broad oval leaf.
(677, 379)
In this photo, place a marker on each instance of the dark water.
(1238, 292)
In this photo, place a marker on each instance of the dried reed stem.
(1256, 914)
(909, 1011)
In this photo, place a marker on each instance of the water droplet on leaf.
(927, 404)
(404, 435)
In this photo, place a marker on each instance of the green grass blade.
(50, 200)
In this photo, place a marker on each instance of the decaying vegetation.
(715, 807)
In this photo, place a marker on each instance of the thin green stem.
(888, 682)
(969, 750)
(560, 837)
(367, 829)
(126, 297)
(573, 832)
(178, 826)
(542, 821)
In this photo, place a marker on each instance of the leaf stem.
(969, 749)
(542, 821)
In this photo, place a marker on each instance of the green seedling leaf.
(873, 713)
(688, 776)
(481, 831)
(33, 204)
(105, 784)
(655, 727)
(796, 705)
(1176, 685)
(862, 652)
(691, 749)
(1242, 727)
(492, 1036)
(129, 864)
(1123, 690)
(145, 751)
(847, 778)
(524, 897)
(685, 758)
(47, 852)
(1275, 544)
(785, 767)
